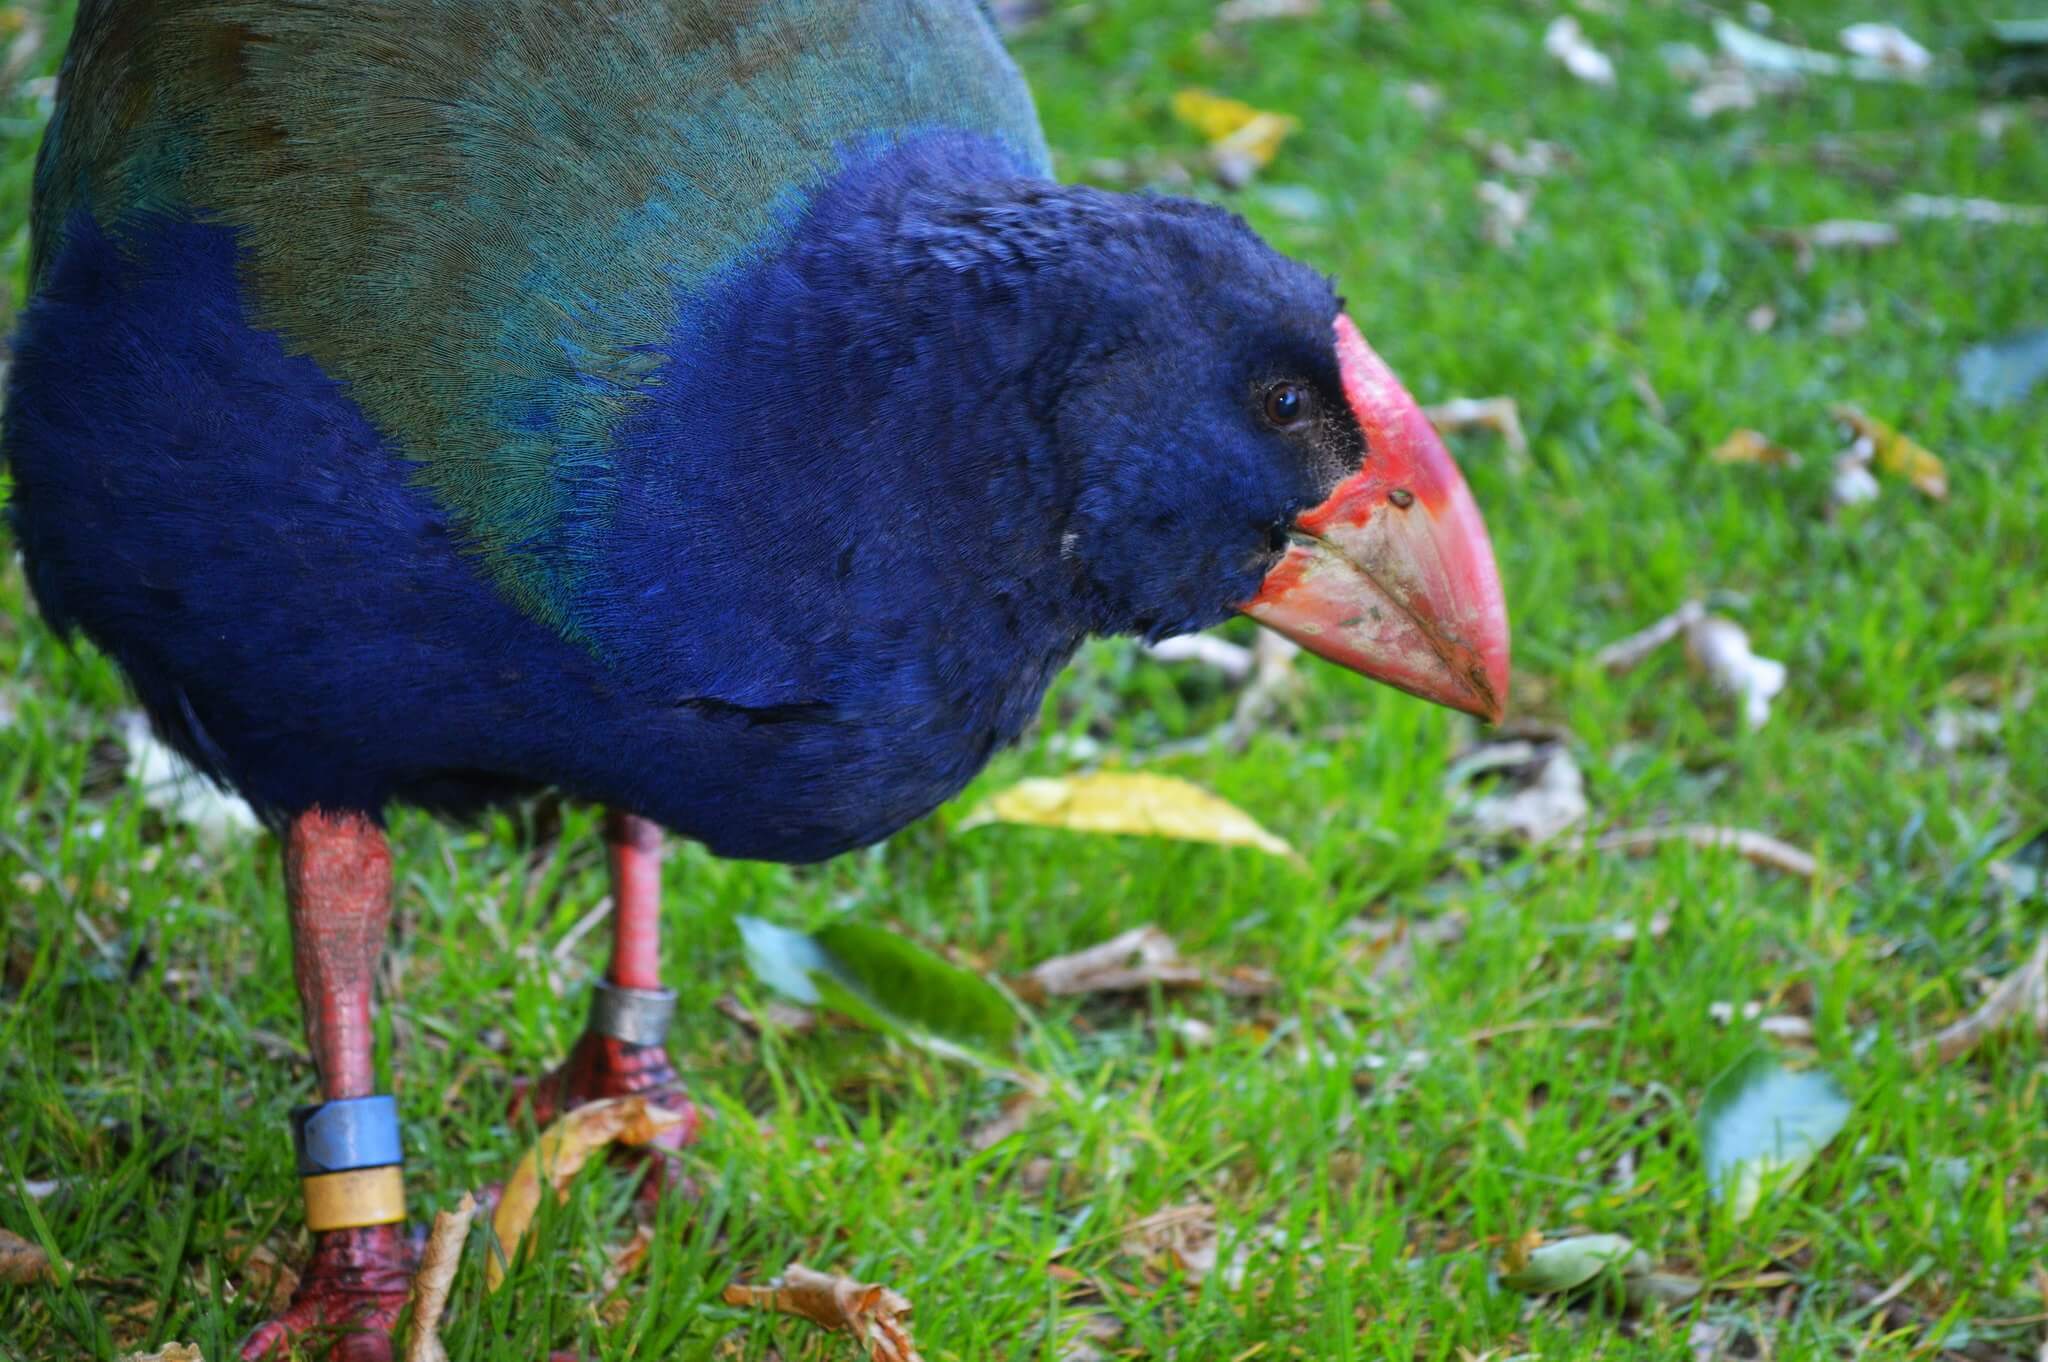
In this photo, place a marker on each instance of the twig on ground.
(2015, 996)
(1756, 847)
(1625, 655)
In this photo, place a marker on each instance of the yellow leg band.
(361, 1196)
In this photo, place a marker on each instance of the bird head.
(1238, 446)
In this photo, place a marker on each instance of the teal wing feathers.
(479, 214)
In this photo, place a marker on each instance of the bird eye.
(1288, 405)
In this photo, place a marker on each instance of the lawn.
(1467, 1043)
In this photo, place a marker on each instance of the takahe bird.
(712, 410)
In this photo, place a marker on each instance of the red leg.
(620, 1053)
(338, 880)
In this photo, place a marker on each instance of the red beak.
(1393, 576)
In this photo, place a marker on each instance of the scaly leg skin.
(338, 879)
(604, 1065)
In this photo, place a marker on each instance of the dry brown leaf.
(1424, 98)
(1625, 655)
(1098, 1330)
(1539, 792)
(1126, 802)
(2041, 1289)
(1720, 647)
(1566, 41)
(625, 1260)
(773, 1015)
(1785, 1026)
(870, 1312)
(1751, 446)
(436, 1275)
(1717, 646)
(1254, 11)
(559, 1154)
(1507, 211)
(1273, 679)
(1894, 452)
(1533, 160)
(1183, 1235)
(1187, 1237)
(1983, 212)
(2018, 994)
(1755, 847)
(1837, 234)
(1131, 963)
(1497, 414)
(1853, 482)
(170, 1352)
(1015, 1115)
(22, 1262)
(1889, 46)
(1234, 660)
(267, 1280)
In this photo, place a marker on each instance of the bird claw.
(351, 1291)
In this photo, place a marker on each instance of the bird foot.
(351, 1292)
(604, 1066)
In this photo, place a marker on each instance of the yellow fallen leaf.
(1117, 802)
(1233, 126)
(170, 1352)
(1896, 453)
(559, 1154)
(870, 1312)
(1750, 446)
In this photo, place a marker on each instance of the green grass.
(1360, 1115)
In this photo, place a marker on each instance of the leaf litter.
(1187, 1239)
(2021, 993)
(1716, 645)
(1751, 446)
(436, 1276)
(1242, 140)
(22, 1262)
(1755, 847)
(1134, 962)
(555, 1159)
(870, 1312)
(1567, 42)
(1536, 790)
(1501, 415)
(1893, 452)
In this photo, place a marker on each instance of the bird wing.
(484, 216)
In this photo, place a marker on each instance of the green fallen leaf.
(1661, 1288)
(2001, 372)
(1761, 1125)
(1569, 1264)
(884, 981)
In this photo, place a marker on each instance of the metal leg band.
(351, 1200)
(345, 1134)
(638, 1016)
